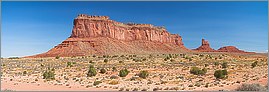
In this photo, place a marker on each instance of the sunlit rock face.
(99, 35)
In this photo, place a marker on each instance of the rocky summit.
(99, 35)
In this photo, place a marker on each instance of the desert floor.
(172, 74)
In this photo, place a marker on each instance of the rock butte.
(98, 35)
(205, 47)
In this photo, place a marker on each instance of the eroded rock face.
(205, 47)
(98, 35)
(101, 26)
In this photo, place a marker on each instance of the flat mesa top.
(130, 24)
(84, 16)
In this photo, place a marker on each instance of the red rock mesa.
(98, 35)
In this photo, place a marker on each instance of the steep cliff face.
(205, 47)
(99, 35)
(101, 26)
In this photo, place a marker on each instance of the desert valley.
(106, 55)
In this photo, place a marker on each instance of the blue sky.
(30, 28)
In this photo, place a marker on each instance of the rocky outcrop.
(205, 47)
(98, 35)
(230, 49)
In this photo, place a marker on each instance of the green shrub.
(49, 75)
(194, 70)
(254, 64)
(206, 65)
(57, 57)
(103, 71)
(224, 72)
(220, 74)
(24, 73)
(114, 69)
(216, 63)
(69, 64)
(224, 65)
(90, 61)
(106, 60)
(96, 83)
(123, 73)
(166, 58)
(197, 71)
(143, 74)
(92, 71)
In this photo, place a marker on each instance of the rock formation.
(230, 49)
(205, 47)
(98, 35)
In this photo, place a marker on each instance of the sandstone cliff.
(98, 35)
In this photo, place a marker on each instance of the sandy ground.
(165, 75)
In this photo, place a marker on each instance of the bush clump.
(92, 71)
(143, 74)
(123, 73)
(114, 69)
(96, 83)
(198, 71)
(251, 87)
(220, 74)
(106, 60)
(24, 73)
(254, 64)
(49, 75)
(103, 71)
(69, 64)
(224, 65)
(57, 57)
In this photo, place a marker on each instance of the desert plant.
(123, 73)
(224, 65)
(103, 71)
(24, 73)
(254, 64)
(251, 87)
(69, 64)
(49, 75)
(105, 60)
(57, 57)
(197, 71)
(113, 82)
(206, 65)
(96, 83)
(216, 63)
(114, 69)
(220, 74)
(143, 74)
(92, 71)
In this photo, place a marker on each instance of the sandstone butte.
(205, 47)
(98, 35)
